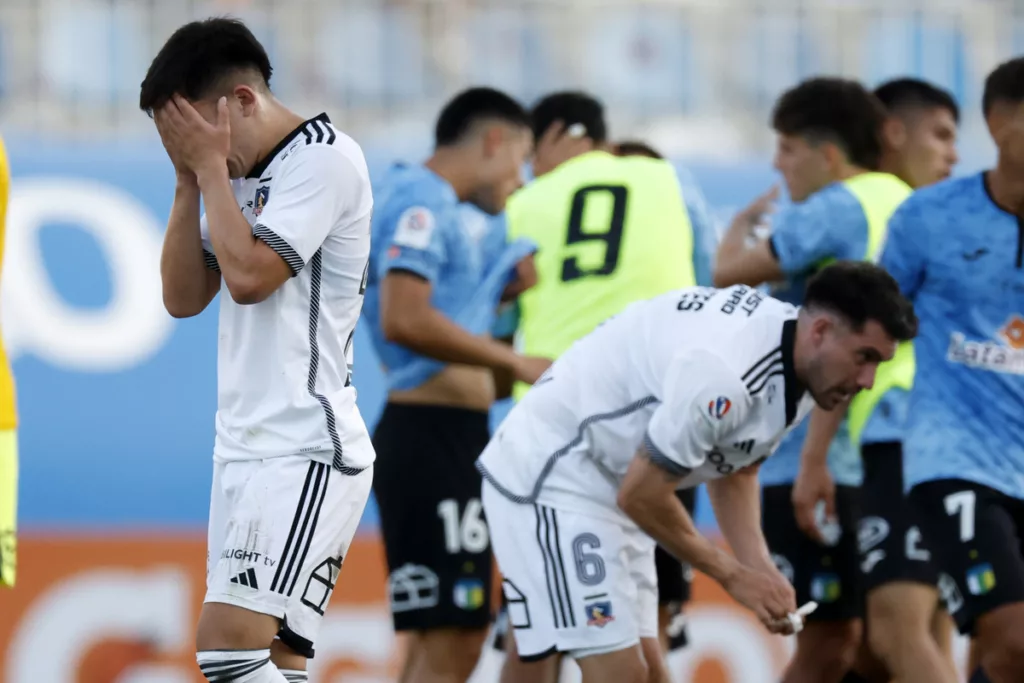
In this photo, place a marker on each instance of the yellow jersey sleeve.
(8, 412)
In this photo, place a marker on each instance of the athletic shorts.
(8, 506)
(435, 536)
(975, 536)
(827, 575)
(572, 583)
(889, 539)
(279, 532)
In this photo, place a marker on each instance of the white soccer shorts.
(279, 532)
(573, 583)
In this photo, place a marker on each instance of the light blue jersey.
(960, 258)
(830, 224)
(705, 238)
(419, 227)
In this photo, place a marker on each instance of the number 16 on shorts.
(466, 532)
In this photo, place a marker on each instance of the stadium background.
(117, 399)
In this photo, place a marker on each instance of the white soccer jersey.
(283, 365)
(703, 377)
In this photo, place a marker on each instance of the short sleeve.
(825, 226)
(903, 254)
(702, 401)
(416, 244)
(208, 256)
(312, 192)
(704, 235)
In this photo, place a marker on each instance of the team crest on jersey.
(599, 613)
(262, 195)
(719, 407)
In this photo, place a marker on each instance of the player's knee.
(826, 649)
(1003, 657)
(227, 627)
(898, 613)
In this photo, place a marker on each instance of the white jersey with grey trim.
(284, 364)
(702, 377)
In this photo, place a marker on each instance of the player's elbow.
(248, 289)
(182, 305)
(400, 327)
(722, 277)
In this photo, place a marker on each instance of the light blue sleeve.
(704, 234)
(829, 224)
(903, 254)
(415, 243)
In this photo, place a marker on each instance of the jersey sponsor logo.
(719, 407)
(415, 228)
(262, 195)
(599, 613)
(1005, 354)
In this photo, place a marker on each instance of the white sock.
(295, 676)
(239, 666)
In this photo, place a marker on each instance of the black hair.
(473, 105)
(1004, 84)
(913, 93)
(834, 110)
(860, 291)
(197, 57)
(570, 107)
(636, 148)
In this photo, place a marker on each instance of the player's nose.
(866, 380)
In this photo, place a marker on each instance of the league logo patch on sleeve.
(719, 407)
(415, 228)
(262, 195)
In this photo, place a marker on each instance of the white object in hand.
(576, 130)
(796, 619)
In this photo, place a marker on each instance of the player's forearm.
(183, 272)
(230, 233)
(822, 427)
(736, 500)
(662, 516)
(429, 333)
(730, 249)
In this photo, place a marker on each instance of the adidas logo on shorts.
(246, 578)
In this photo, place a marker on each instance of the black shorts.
(675, 580)
(827, 575)
(428, 492)
(975, 535)
(890, 539)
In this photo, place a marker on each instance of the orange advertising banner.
(121, 609)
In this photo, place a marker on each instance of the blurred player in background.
(611, 229)
(8, 422)
(432, 297)
(903, 619)
(829, 149)
(957, 249)
(696, 385)
(285, 239)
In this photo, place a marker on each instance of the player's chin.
(827, 400)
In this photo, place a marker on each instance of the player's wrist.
(212, 170)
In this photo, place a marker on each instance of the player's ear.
(246, 98)
(821, 325)
(492, 139)
(894, 132)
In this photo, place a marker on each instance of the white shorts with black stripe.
(279, 532)
(573, 583)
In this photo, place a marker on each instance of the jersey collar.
(265, 162)
(793, 388)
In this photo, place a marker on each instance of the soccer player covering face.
(957, 249)
(434, 286)
(696, 385)
(829, 150)
(285, 239)
(904, 621)
(611, 229)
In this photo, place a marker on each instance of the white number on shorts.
(469, 534)
(589, 566)
(962, 502)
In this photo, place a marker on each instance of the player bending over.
(285, 240)
(685, 388)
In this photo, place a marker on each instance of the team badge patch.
(719, 407)
(981, 579)
(415, 227)
(599, 613)
(262, 195)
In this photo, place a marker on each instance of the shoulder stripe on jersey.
(776, 371)
(315, 273)
(758, 379)
(283, 249)
(770, 357)
(319, 132)
(303, 509)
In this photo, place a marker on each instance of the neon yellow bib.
(880, 194)
(611, 231)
